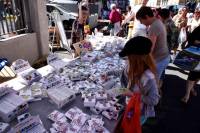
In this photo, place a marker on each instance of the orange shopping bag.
(130, 122)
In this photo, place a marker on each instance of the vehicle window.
(50, 8)
(59, 10)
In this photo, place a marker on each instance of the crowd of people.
(157, 34)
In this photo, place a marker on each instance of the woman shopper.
(139, 74)
(115, 20)
(181, 19)
(193, 77)
(195, 21)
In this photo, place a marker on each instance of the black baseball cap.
(137, 46)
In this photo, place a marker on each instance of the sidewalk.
(174, 116)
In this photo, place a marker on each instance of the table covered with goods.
(66, 96)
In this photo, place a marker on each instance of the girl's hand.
(128, 93)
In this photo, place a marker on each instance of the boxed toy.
(94, 125)
(73, 113)
(4, 90)
(51, 81)
(7, 111)
(89, 102)
(20, 65)
(110, 114)
(60, 127)
(36, 89)
(22, 117)
(30, 77)
(57, 63)
(95, 110)
(3, 127)
(26, 94)
(20, 104)
(11, 106)
(89, 57)
(101, 95)
(32, 124)
(102, 105)
(61, 96)
(79, 121)
(56, 116)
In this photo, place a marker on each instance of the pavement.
(173, 116)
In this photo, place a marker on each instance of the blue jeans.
(161, 66)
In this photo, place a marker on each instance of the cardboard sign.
(82, 47)
(20, 65)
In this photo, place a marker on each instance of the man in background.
(139, 29)
(158, 35)
(172, 30)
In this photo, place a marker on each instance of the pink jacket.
(115, 16)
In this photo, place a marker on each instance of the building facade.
(159, 2)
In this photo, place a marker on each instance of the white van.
(68, 12)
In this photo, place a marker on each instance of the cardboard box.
(32, 124)
(103, 105)
(7, 111)
(56, 116)
(89, 102)
(30, 77)
(11, 106)
(61, 96)
(101, 95)
(73, 113)
(3, 127)
(22, 117)
(20, 104)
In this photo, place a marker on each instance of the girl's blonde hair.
(138, 64)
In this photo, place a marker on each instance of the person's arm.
(150, 94)
(153, 34)
(174, 18)
(129, 18)
(73, 33)
(153, 38)
(80, 17)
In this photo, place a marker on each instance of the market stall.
(65, 87)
